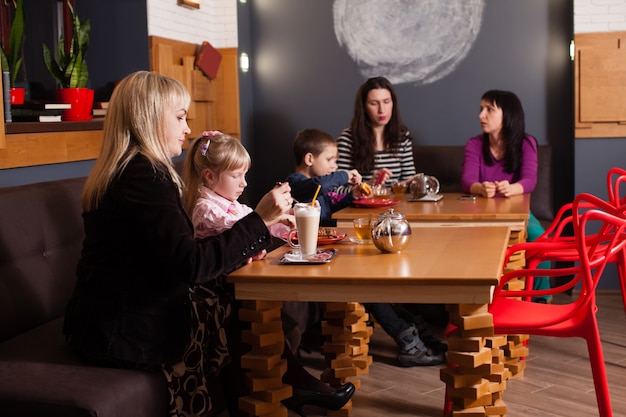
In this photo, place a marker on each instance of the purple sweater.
(476, 170)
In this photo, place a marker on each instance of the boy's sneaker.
(413, 352)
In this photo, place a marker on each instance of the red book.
(208, 60)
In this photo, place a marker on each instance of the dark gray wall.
(300, 77)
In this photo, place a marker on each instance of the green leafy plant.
(70, 69)
(12, 59)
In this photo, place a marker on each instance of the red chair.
(578, 317)
(598, 237)
(615, 179)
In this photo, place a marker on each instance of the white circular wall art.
(407, 41)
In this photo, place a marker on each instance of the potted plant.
(70, 69)
(12, 57)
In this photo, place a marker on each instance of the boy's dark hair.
(311, 140)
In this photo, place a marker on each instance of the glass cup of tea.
(363, 230)
(307, 226)
(381, 192)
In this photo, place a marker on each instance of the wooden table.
(451, 211)
(440, 265)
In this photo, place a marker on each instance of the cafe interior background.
(307, 59)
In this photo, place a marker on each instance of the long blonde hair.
(135, 124)
(215, 151)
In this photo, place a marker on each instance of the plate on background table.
(375, 202)
(323, 239)
(322, 256)
(427, 197)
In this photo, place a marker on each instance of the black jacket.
(139, 259)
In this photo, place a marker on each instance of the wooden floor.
(557, 380)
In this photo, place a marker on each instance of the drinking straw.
(316, 193)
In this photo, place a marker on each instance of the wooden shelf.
(39, 127)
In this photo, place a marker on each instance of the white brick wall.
(599, 16)
(215, 21)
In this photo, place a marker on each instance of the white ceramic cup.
(307, 226)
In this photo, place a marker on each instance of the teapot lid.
(390, 214)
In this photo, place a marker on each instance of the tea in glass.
(363, 229)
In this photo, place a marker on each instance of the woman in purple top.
(503, 160)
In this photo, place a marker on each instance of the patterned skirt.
(207, 354)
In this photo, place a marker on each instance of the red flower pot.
(81, 100)
(17, 95)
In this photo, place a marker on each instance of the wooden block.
(259, 316)
(261, 304)
(269, 327)
(484, 369)
(497, 409)
(470, 359)
(330, 330)
(261, 384)
(262, 339)
(362, 361)
(465, 403)
(359, 350)
(475, 321)
(359, 341)
(517, 352)
(357, 327)
(256, 407)
(345, 372)
(470, 412)
(469, 344)
(515, 367)
(495, 341)
(335, 348)
(202, 88)
(275, 394)
(517, 339)
(276, 372)
(484, 332)
(471, 391)
(270, 350)
(497, 386)
(466, 309)
(341, 362)
(259, 362)
(497, 355)
(454, 379)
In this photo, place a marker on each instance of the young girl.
(214, 172)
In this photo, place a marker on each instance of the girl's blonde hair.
(215, 151)
(135, 124)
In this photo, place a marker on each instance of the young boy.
(315, 153)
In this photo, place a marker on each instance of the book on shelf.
(22, 114)
(99, 112)
(42, 105)
(44, 118)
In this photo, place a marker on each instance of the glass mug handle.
(290, 239)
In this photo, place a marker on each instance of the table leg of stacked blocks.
(476, 376)
(346, 348)
(264, 362)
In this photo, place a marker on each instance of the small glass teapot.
(423, 185)
(391, 232)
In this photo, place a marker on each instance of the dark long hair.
(362, 130)
(513, 129)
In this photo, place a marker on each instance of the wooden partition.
(600, 85)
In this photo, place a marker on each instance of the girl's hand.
(259, 256)
(275, 204)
